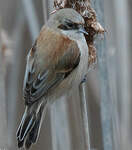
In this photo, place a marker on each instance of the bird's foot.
(84, 79)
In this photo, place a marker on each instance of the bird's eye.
(71, 25)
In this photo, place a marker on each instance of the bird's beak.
(82, 30)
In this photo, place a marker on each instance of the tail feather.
(35, 130)
(25, 127)
(28, 124)
(28, 130)
(20, 126)
(20, 143)
(28, 143)
(33, 135)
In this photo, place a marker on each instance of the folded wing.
(48, 63)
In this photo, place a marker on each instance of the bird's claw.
(84, 79)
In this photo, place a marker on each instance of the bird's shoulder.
(53, 46)
(50, 40)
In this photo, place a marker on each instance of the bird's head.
(69, 22)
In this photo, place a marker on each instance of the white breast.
(83, 65)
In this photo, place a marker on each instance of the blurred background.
(108, 89)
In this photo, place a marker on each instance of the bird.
(56, 63)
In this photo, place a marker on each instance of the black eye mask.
(69, 25)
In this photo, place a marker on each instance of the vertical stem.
(31, 18)
(45, 10)
(14, 79)
(84, 115)
(3, 108)
(124, 66)
(60, 125)
(106, 116)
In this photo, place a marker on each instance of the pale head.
(68, 22)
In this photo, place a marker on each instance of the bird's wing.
(52, 58)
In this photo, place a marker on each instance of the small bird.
(57, 62)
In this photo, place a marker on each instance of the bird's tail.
(29, 127)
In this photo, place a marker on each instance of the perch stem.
(84, 115)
